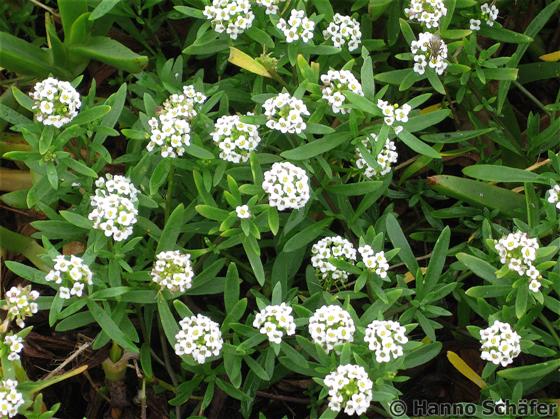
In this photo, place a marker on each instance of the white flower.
(270, 5)
(114, 206)
(385, 159)
(184, 105)
(231, 16)
(199, 338)
(426, 12)
(393, 113)
(385, 338)
(275, 321)
(15, 346)
(553, 196)
(429, 50)
(243, 211)
(519, 252)
(500, 344)
(55, 102)
(173, 270)
(285, 113)
(474, 24)
(375, 262)
(332, 248)
(20, 303)
(71, 274)
(489, 13)
(297, 27)
(335, 83)
(169, 134)
(350, 388)
(235, 138)
(344, 30)
(10, 399)
(331, 326)
(287, 186)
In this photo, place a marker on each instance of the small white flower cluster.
(20, 303)
(334, 85)
(489, 13)
(170, 129)
(426, 12)
(55, 102)
(270, 5)
(297, 27)
(394, 113)
(344, 30)
(15, 346)
(235, 138)
(519, 252)
(330, 326)
(184, 105)
(199, 338)
(275, 321)
(385, 159)
(375, 262)
(429, 50)
(170, 134)
(114, 206)
(334, 247)
(173, 270)
(500, 344)
(287, 186)
(350, 388)
(385, 338)
(230, 16)
(10, 399)
(72, 274)
(553, 196)
(285, 113)
(243, 211)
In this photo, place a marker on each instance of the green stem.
(530, 96)
(550, 328)
(169, 195)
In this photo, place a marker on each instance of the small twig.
(47, 8)
(73, 356)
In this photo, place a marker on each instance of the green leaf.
(422, 355)
(324, 7)
(23, 57)
(102, 9)
(109, 51)
(80, 167)
(317, 147)
(521, 300)
(231, 290)
(168, 322)
(426, 120)
(110, 327)
(91, 114)
(212, 213)
(504, 35)
(478, 266)
(456, 136)
(488, 291)
(21, 98)
(12, 116)
(529, 372)
(495, 173)
(418, 145)
(76, 219)
(70, 11)
(252, 250)
(399, 241)
(480, 194)
(159, 175)
(354, 189)
(306, 235)
(199, 152)
(172, 229)
(437, 262)
(256, 368)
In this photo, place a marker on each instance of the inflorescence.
(55, 102)
(287, 186)
(500, 344)
(344, 30)
(71, 274)
(173, 270)
(385, 159)
(327, 248)
(350, 389)
(335, 83)
(199, 337)
(385, 338)
(275, 321)
(236, 139)
(331, 326)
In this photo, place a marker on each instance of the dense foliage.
(278, 207)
